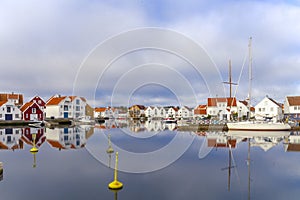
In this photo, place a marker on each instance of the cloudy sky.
(149, 52)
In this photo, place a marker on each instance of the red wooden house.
(39, 101)
(32, 111)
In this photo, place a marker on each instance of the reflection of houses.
(136, 126)
(10, 138)
(185, 112)
(9, 111)
(200, 111)
(67, 138)
(27, 136)
(108, 112)
(65, 107)
(269, 108)
(136, 111)
(154, 125)
(222, 108)
(292, 107)
(292, 143)
(32, 111)
(220, 140)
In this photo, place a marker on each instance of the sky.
(149, 52)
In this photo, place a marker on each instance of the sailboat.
(256, 125)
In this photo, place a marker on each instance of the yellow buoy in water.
(116, 185)
(34, 149)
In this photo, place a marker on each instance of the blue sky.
(44, 45)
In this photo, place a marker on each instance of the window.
(66, 108)
(77, 101)
(295, 107)
(16, 115)
(33, 110)
(272, 109)
(26, 115)
(39, 102)
(8, 109)
(259, 109)
(0, 115)
(77, 108)
(263, 109)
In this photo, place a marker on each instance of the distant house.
(105, 112)
(269, 108)
(136, 111)
(185, 112)
(221, 108)
(65, 107)
(292, 107)
(17, 99)
(32, 111)
(243, 110)
(155, 112)
(200, 111)
(171, 111)
(9, 111)
(39, 101)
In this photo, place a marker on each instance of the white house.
(222, 108)
(155, 112)
(171, 111)
(108, 112)
(269, 108)
(185, 112)
(292, 107)
(65, 107)
(9, 111)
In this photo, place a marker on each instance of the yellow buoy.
(34, 149)
(116, 185)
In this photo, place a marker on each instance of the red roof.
(55, 100)
(55, 144)
(100, 109)
(26, 105)
(2, 102)
(213, 101)
(200, 110)
(294, 100)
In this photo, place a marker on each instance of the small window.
(16, 115)
(295, 107)
(33, 110)
(272, 109)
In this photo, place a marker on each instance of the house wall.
(9, 108)
(39, 113)
(267, 108)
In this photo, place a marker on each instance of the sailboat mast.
(250, 75)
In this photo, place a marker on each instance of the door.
(8, 117)
(33, 117)
(66, 115)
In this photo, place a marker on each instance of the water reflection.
(238, 165)
(68, 137)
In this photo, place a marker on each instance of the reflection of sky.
(75, 174)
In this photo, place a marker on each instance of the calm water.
(156, 162)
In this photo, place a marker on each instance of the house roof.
(200, 110)
(26, 106)
(213, 101)
(42, 103)
(100, 109)
(293, 100)
(2, 102)
(55, 144)
(6, 96)
(55, 100)
(278, 104)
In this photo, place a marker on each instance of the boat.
(255, 125)
(169, 120)
(37, 124)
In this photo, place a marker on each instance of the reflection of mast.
(229, 168)
(109, 151)
(248, 163)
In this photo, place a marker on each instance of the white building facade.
(269, 108)
(9, 111)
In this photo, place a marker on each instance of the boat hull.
(253, 126)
